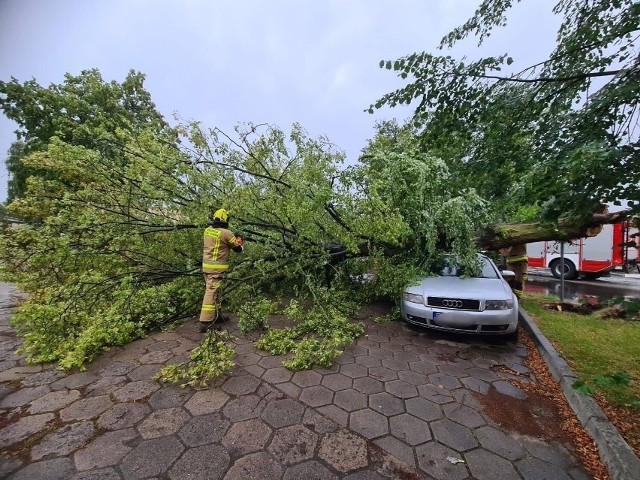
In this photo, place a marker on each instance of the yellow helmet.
(222, 215)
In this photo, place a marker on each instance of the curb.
(617, 455)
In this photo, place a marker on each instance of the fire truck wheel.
(570, 272)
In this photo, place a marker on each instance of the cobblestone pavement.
(398, 404)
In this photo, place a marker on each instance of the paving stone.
(380, 354)
(368, 385)
(463, 415)
(17, 373)
(163, 422)
(244, 408)
(344, 451)
(435, 393)
(53, 401)
(398, 449)
(151, 457)
(169, 396)
(123, 415)
(241, 385)
(24, 428)
(423, 367)
(289, 389)
(24, 396)
(368, 423)
(386, 403)
(476, 385)
(86, 408)
(255, 466)
(405, 356)
(482, 374)
(306, 378)
(206, 401)
(453, 370)
(310, 470)
(277, 375)
(500, 443)
(117, 368)
(445, 381)
(204, 429)
(424, 409)
(159, 356)
(293, 444)
(484, 464)
(8, 465)
(282, 413)
(101, 474)
(551, 453)
(578, 473)
(409, 429)
(202, 463)
(75, 380)
(507, 389)
(106, 450)
(63, 441)
(344, 359)
(339, 381)
(383, 374)
(453, 435)
(247, 437)
(395, 364)
(401, 389)
(414, 378)
(336, 414)
(135, 391)
(105, 386)
(535, 469)
(364, 475)
(350, 400)
(368, 361)
(319, 423)
(432, 458)
(316, 396)
(42, 378)
(56, 469)
(144, 372)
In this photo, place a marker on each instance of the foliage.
(210, 360)
(255, 314)
(541, 134)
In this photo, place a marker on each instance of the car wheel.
(570, 272)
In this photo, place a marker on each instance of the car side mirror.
(509, 276)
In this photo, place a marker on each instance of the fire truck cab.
(592, 257)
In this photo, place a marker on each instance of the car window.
(454, 270)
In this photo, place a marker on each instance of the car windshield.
(452, 269)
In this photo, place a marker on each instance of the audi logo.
(452, 303)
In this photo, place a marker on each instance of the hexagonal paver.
(206, 401)
(309, 470)
(63, 441)
(433, 458)
(54, 401)
(453, 434)
(414, 378)
(293, 444)
(244, 408)
(383, 374)
(445, 381)
(463, 415)
(409, 429)
(208, 462)
(247, 437)
(338, 381)
(241, 385)
(368, 423)
(151, 458)
(306, 378)
(106, 450)
(160, 356)
(261, 465)
(386, 403)
(283, 413)
(406, 356)
(423, 367)
(168, 397)
(204, 429)
(500, 443)
(86, 408)
(435, 393)
(368, 361)
(163, 422)
(277, 375)
(424, 409)
(334, 445)
(316, 396)
(398, 449)
(266, 362)
(335, 413)
(535, 469)
(401, 389)
(247, 359)
(476, 385)
(134, 391)
(354, 370)
(395, 364)
(123, 415)
(350, 400)
(23, 396)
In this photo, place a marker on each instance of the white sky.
(281, 61)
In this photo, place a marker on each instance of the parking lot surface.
(400, 403)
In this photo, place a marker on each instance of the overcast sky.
(280, 61)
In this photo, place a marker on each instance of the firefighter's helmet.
(221, 215)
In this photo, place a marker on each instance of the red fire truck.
(592, 257)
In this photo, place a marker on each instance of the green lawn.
(596, 349)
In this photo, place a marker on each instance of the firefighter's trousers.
(520, 269)
(211, 300)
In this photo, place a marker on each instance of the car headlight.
(498, 304)
(413, 298)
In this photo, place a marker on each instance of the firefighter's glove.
(239, 241)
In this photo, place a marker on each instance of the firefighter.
(517, 260)
(218, 243)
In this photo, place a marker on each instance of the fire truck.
(616, 246)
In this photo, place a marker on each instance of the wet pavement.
(399, 404)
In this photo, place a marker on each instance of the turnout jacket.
(218, 243)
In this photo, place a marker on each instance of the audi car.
(483, 304)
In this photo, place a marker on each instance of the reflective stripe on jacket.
(517, 253)
(218, 243)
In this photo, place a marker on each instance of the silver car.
(484, 304)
